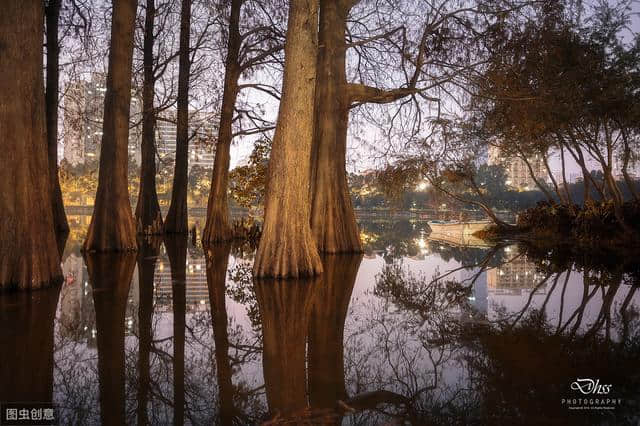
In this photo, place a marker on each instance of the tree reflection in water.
(148, 251)
(217, 262)
(27, 345)
(518, 365)
(110, 276)
(177, 250)
(406, 346)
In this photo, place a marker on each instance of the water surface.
(414, 331)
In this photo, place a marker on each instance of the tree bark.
(287, 247)
(51, 99)
(29, 258)
(333, 221)
(217, 262)
(148, 215)
(177, 217)
(112, 225)
(218, 226)
(110, 276)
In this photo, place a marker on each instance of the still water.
(414, 331)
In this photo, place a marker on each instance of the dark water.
(414, 331)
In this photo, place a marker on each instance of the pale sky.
(358, 157)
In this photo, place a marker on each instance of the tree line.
(559, 83)
(398, 66)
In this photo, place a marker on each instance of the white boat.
(458, 233)
(455, 227)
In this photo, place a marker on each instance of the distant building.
(202, 133)
(83, 114)
(518, 174)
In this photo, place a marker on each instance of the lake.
(413, 331)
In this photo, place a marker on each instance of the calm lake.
(414, 331)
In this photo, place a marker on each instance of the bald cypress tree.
(148, 215)
(28, 254)
(287, 248)
(112, 225)
(177, 217)
(51, 99)
(217, 227)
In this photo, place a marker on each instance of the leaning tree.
(28, 254)
(112, 225)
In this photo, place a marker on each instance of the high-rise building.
(201, 139)
(83, 114)
(518, 174)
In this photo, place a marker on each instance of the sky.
(361, 155)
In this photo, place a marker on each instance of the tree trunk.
(586, 187)
(148, 215)
(217, 262)
(564, 180)
(326, 331)
(29, 258)
(625, 168)
(147, 257)
(617, 199)
(177, 217)
(553, 180)
(110, 276)
(218, 226)
(112, 225)
(333, 221)
(540, 186)
(287, 247)
(578, 156)
(285, 310)
(177, 250)
(51, 99)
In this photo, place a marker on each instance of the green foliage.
(247, 184)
